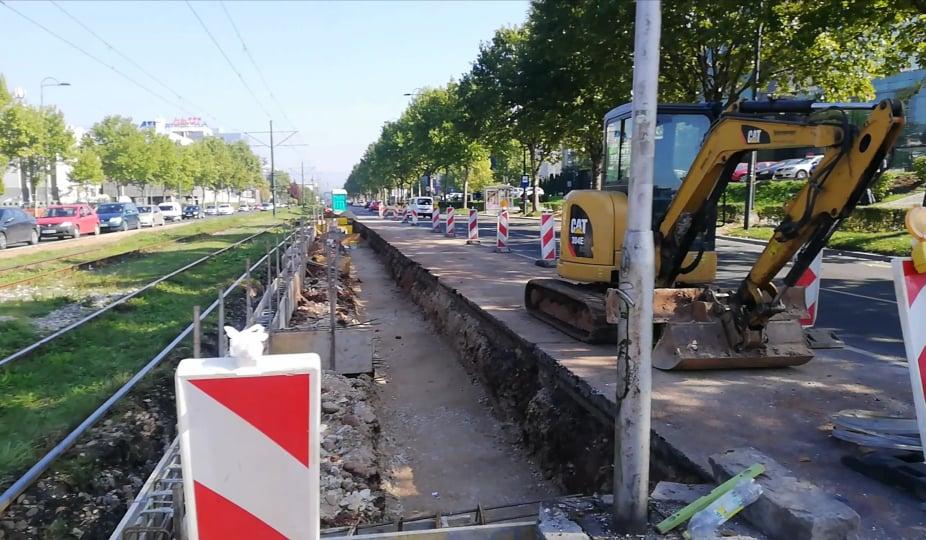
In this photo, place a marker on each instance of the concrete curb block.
(788, 508)
(840, 252)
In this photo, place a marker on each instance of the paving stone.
(555, 525)
(680, 493)
(789, 508)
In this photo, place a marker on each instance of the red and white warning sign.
(810, 280)
(910, 288)
(249, 444)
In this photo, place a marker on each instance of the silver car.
(149, 215)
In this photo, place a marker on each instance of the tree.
(57, 143)
(503, 97)
(21, 141)
(282, 180)
(123, 150)
(87, 169)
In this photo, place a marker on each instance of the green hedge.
(478, 205)
(863, 219)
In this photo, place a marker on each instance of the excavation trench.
(562, 425)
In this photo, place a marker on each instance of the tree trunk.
(24, 182)
(595, 155)
(466, 187)
(55, 194)
(535, 180)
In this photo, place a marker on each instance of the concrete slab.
(782, 412)
(354, 347)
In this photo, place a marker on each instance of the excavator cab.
(593, 238)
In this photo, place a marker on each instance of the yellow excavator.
(697, 149)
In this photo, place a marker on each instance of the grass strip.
(47, 394)
(885, 243)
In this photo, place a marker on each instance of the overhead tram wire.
(227, 59)
(263, 80)
(135, 64)
(95, 58)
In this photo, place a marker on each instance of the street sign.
(525, 181)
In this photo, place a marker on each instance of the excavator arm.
(753, 318)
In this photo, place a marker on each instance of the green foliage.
(87, 168)
(121, 147)
(919, 168)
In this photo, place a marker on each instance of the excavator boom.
(757, 324)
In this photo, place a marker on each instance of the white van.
(424, 206)
(171, 211)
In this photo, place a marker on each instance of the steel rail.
(26, 350)
(32, 475)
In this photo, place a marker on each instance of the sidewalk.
(783, 412)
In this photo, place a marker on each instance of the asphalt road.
(856, 295)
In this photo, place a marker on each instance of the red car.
(72, 220)
(743, 168)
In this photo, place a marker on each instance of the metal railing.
(156, 507)
(33, 474)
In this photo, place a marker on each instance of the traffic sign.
(525, 180)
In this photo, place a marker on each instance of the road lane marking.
(882, 357)
(882, 300)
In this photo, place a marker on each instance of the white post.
(634, 362)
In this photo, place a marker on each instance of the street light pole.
(637, 276)
(42, 86)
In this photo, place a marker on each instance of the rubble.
(349, 484)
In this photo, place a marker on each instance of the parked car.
(742, 168)
(225, 209)
(150, 215)
(374, 205)
(17, 227)
(118, 216)
(800, 169)
(192, 211)
(211, 210)
(266, 207)
(245, 207)
(424, 206)
(72, 220)
(171, 211)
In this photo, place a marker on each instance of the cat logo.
(580, 233)
(754, 135)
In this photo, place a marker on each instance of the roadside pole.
(751, 173)
(634, 356)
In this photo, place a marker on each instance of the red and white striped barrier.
(435, 220)
(380, 210)
(910, 288)
(249, 445)
(547, 241)
(501, 234)
(450, 226)
(810, 280)
(472, 228)
(414, 217)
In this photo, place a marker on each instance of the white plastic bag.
(247, 345)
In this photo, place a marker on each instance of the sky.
(337, 70)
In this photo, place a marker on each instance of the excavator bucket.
(694, 333)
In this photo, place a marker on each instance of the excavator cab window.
(679, 134)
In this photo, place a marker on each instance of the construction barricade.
(472, 228)
(450, 225)
(249, 443)
(810, 280)
(501, 233)
(547, 241)
(435, 220)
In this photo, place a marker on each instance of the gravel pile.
(350, 479)
(72, 313)
(88, 491)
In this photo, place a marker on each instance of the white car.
(211, 210)
(424, 206)
(149, 215)
(245, 208)
(800, 170)
(171, 211)
(225, 209)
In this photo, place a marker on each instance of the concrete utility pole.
(638, 268)
(751, 173)
(273, 184)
